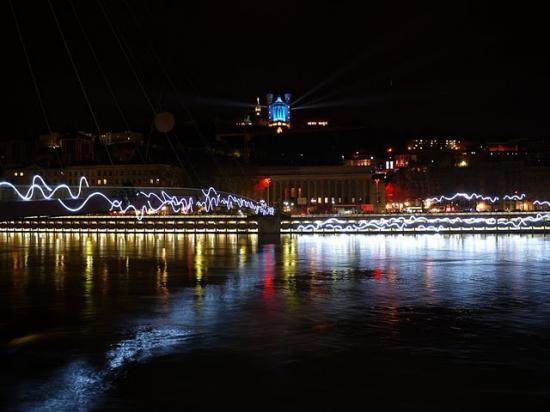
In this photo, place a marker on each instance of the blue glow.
(279, 112)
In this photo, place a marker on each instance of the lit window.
(104, 181)
(98, 181)
(326, 200)
(21, 174)
(319, 200)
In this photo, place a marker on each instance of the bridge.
(40, 207)
(43, 207)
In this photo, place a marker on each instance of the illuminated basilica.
(279, 111)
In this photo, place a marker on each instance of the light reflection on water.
(79, 309)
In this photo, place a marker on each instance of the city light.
(265, 182)
(322, 123)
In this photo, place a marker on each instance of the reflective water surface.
(220, 322)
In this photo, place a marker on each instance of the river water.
(226, 322)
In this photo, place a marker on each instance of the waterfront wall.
(421, 223)
(526, 222)
(129, 224)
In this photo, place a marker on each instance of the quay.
(496, 222)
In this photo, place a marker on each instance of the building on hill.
(132, 175)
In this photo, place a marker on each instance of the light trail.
(474, 196)
(208, 201)
(423, 223)
(39, 184)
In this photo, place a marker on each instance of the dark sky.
(448, 68)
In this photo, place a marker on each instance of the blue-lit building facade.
(278, 109)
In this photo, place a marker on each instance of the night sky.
(462, 69)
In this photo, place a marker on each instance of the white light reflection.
(81, 384)
(456, 278)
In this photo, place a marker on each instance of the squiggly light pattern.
(423, 223)
(209, 200)
(474, 196)
(39, 184)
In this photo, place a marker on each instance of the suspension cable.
(104, 75)
(172, 85)
(123, 47)
(29, 64)
(125, 54)
(82, 88)
(100, 66)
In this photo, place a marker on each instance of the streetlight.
(377, 181)
(264, 184)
